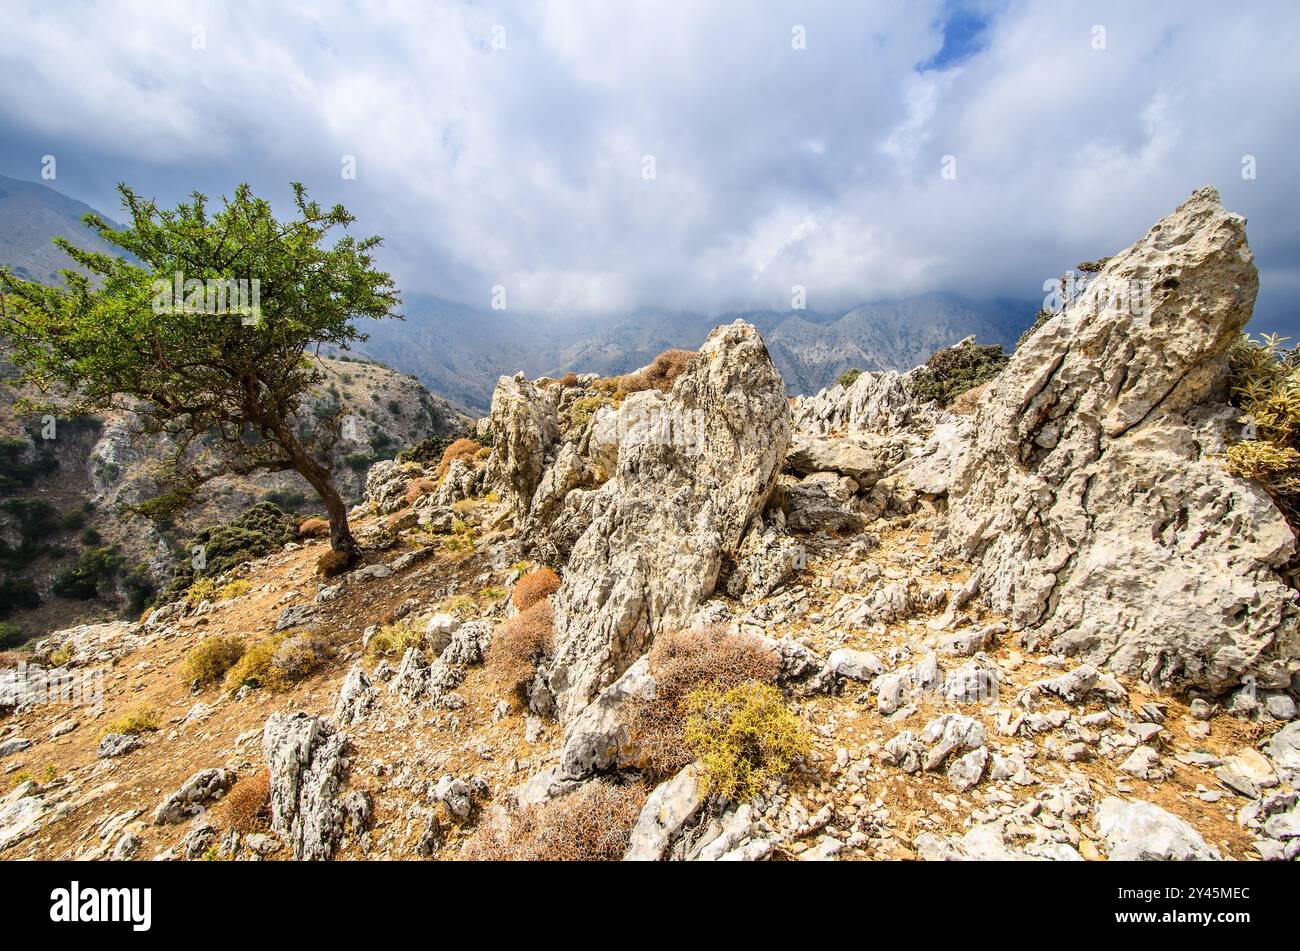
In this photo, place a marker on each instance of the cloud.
(508, 144)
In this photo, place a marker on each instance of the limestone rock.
(305, 757)
(1093, 496)
(196, 794)
(117, 744)
(689, 479)
(669, 807)
(1142, 831)
(524, 427)
(355, 697)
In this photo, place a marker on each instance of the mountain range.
(459, 351)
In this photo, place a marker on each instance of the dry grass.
(247, 806)
(418, 487)
(314, 528)
(460, 449)
(682, 662)
(12, 658)
(209, 659)
(592, 824)
(660, 374)
(519, 644)
(333, 563)
(534, 586)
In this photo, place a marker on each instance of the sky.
(596, 157)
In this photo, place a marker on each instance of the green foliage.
(288, 500)
(92, 575)
(226, 381)
(954, 370)
(848, 377)
(431, 449)
(17, 594)
(18, 472)
(1265, 385)
(743, 737)
(37, 521)
(139, 588)
(11, 635)
(259, 531)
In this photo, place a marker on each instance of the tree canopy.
(210, 326)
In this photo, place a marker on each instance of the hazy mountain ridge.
(31, 215)
(460, 352)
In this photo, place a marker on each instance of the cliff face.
(1043, 623)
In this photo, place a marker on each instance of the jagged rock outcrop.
(524, 427)
(866, 450)
(305, 757)
(1093, 496)
(689, 478)
(196, 794)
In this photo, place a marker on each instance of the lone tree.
(210, 329)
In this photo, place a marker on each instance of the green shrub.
(954, 370)
(430, 449)
(288, 500)
(92, 575)
(848, 377)
(17, 593)
(744, 738)
(18, 472)
(264, 528)
(11, 635)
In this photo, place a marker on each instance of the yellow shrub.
(392, 640)
(743, 737)
(1265, 385)
(277, 662)
(233, 589)
(139, 720)
(60, 656)
(207, 589)
(209, 659)
(458, 604)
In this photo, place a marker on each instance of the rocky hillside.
(692, 618)
(69, 506)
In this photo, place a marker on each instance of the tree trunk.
(309, 468)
